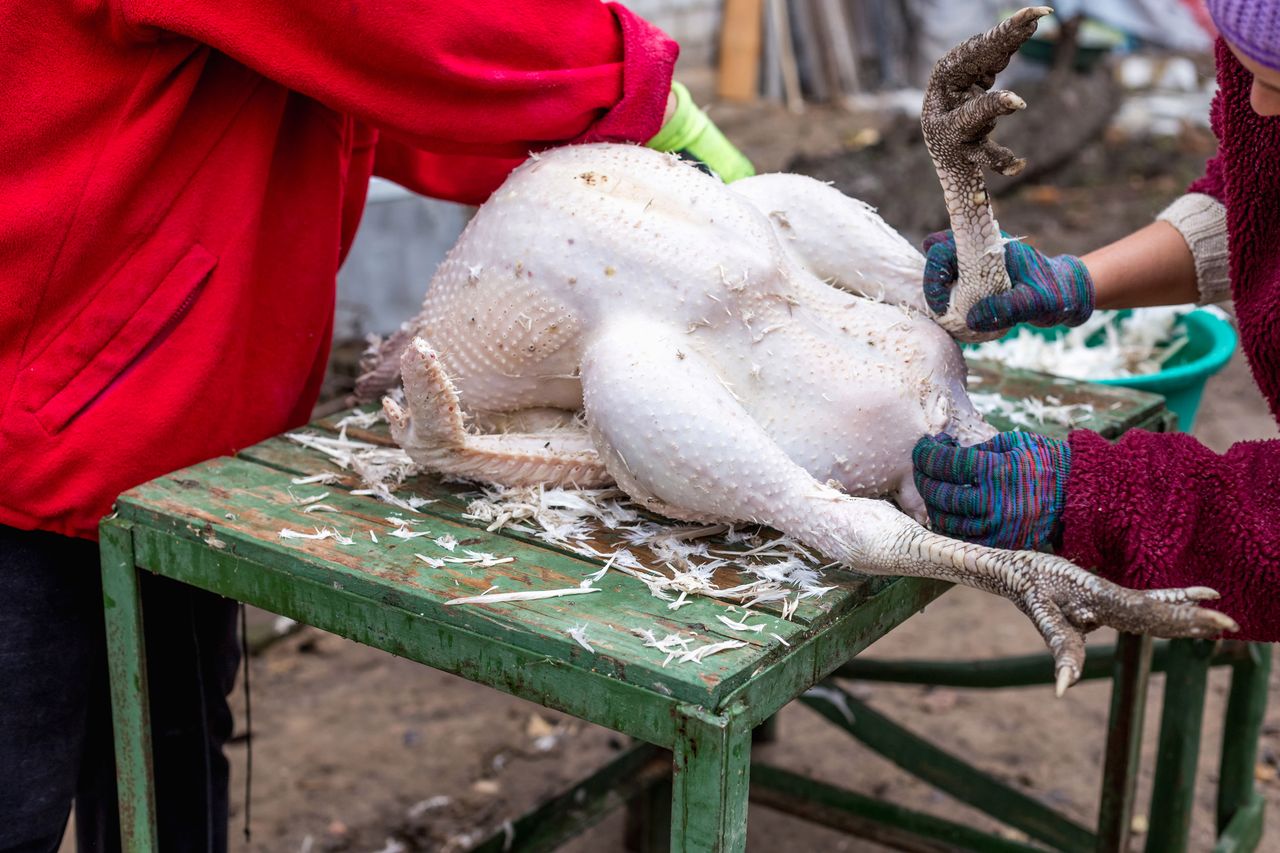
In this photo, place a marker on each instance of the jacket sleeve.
(480, 79)
(1162, 510)
(469, 179)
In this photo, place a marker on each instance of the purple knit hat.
(1252, 26)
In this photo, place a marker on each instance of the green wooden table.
(216, 526)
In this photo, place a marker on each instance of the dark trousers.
(55, 713)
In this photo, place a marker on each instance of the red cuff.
(648, 60)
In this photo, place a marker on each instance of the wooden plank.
(834, 22)
(784, 50)
(451, 502)
(740, 32)
(644, 712)
(240, 507)
(1116, 409)
(809, 58)
(778, 682)
(770, 65)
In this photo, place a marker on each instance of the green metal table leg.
(711, 762)
(1173, 794)
(1246, 706)
(1019, 671)
(946, 772)
(1244, 832)
(553, 823)
(867, 818)
(130, 709)
(1124, 741)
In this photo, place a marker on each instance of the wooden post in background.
(740, 50)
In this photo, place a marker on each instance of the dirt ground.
(355, 750)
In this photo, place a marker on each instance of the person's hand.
(1046, 291)
(689, 133)
(1006, 492)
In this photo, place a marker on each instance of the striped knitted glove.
(1046, 291)
(1006, 492)
(693, 136)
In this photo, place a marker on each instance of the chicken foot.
(957, 118)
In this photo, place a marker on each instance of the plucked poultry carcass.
(759, 352)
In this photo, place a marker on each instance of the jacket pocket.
(132, 314)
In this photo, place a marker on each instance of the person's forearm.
(1152, 266)
(1157, 510)
(473, 79)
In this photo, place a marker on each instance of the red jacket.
(1163, 510)
(182, 178)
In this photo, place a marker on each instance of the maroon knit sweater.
(1162, 510)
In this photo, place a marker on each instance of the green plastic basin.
(1210, 342)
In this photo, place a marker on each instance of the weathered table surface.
(216, 525)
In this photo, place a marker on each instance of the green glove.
(692, 135)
